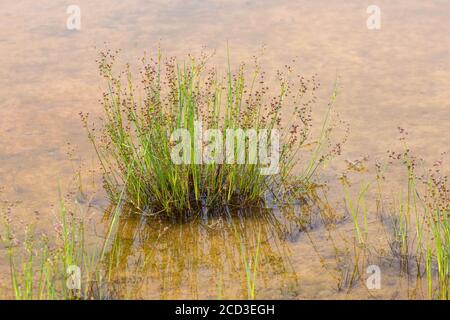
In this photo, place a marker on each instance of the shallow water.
(395, 76)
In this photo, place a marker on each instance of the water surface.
(396, 76)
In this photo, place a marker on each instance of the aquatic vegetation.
(56, 266)
(181, 258)
(416, 225)
(136, 143)
(356, 208)
(37, 270)
(403, 224)
(360, 247)
(437, 246)
(147, 250)
(135, 147)
(250, 264)
(440, 226)
(427, 206)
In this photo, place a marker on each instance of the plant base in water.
(138, 149)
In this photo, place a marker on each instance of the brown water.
(396, 76)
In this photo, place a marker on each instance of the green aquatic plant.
(441, 233)
(356, 209)
(37, 270)
(250, 264)
(436, 204)
(352, 260)
(135, 144)
(57, 267)
(417, 224)
(422, 226)
(404, 224)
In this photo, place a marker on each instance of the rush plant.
(135, 144)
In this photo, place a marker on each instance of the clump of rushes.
(134, 145)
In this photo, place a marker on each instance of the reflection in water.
(230, 256)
